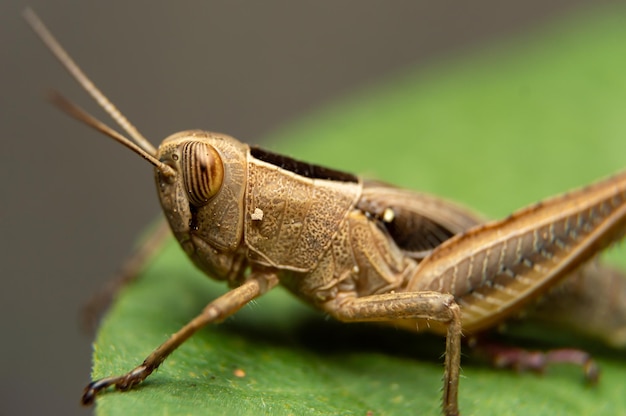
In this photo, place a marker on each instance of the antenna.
(57, 50)
(82, 116)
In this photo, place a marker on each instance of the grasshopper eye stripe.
(203, 171)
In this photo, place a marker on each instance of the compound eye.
(203, 171)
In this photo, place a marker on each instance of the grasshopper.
(363, 251)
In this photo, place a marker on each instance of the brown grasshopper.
(361, 251)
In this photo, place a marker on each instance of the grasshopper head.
(203, 198)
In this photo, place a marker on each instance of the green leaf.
(495, 130)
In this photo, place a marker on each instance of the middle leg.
(434, 306)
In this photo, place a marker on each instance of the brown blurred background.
(72, 202)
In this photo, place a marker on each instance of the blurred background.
(73, 202)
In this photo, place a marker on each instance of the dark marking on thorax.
(302, 168)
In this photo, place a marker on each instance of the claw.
(122, 383)
(92, 389)
(89, 395)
